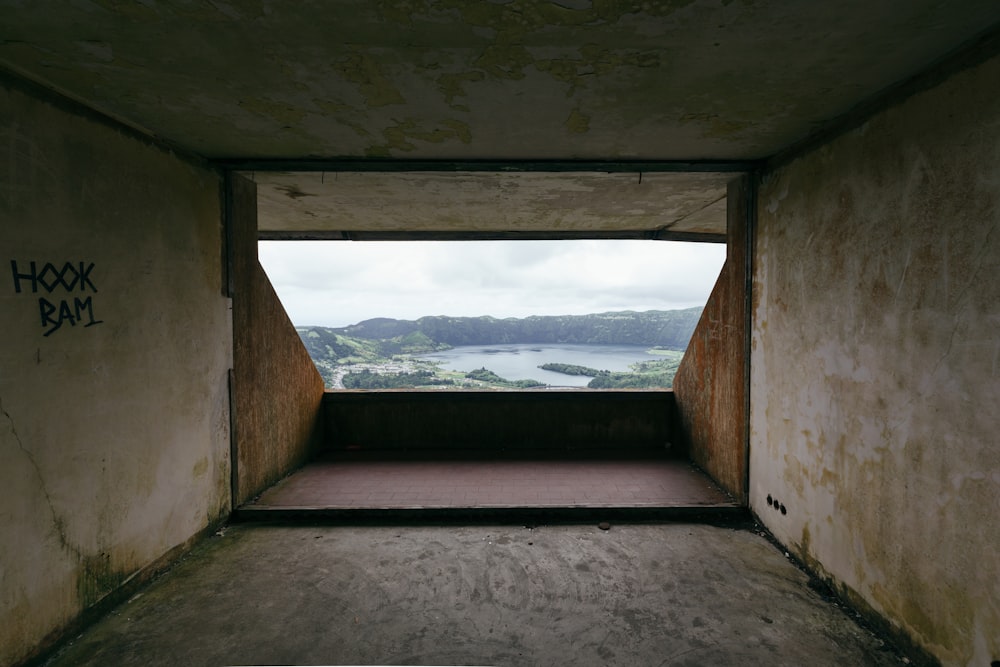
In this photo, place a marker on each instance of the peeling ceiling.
(664, 80)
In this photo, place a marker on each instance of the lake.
(522, 361)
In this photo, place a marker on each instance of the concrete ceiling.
(359, 206)
(518, 80)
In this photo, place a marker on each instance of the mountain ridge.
(381, 349)
(664, 328)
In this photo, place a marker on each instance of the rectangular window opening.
(494, 315)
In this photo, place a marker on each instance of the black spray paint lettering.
(72, 276)
(56, 316)
(49, 278)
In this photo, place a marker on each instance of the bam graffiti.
(72, 277)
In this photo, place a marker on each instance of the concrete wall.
(277, 389)
(627, 422)
(710, 384)
(876, 364)
(114, 358)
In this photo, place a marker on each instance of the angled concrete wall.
(710, 385)
(115, 345)
(876, 364)
(277, 390)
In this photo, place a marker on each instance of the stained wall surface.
(710, 385)
(277, 390)
(457, 79)
(876, 364)
(115, 345)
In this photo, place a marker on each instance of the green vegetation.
(644, 374)
(644, 380)
(379, 353)
(571, 369)
(491, 378)
(366, 379)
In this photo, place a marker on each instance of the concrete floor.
(673, 594)
(346, 483)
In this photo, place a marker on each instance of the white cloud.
(335, 283)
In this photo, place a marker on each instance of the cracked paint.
(366, 73)
(400, 136)
(716, 125)
(453, 86)
(283, 113)
(670, 79)
(578, 122)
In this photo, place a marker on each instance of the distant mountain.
(366, 352)
(670, 329)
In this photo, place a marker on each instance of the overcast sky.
(337, 283)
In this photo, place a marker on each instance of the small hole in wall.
(770, 500)
(783, 510)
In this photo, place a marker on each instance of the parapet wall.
(496, 422)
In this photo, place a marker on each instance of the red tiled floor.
(418, 484)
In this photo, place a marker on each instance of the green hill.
(669, 329)
(379, 342)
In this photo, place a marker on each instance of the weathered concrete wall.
(499, 421)
(114, 355)
(277, 390)
(710, 384)
(876, 364)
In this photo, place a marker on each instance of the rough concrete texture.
(114, 357)
(710, 385)
(316, 203)
(551, 595)
(876, 364)
(671, 79)
(277, 390)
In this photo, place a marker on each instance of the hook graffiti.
(72, 276)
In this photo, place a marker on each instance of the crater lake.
(521, 361)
